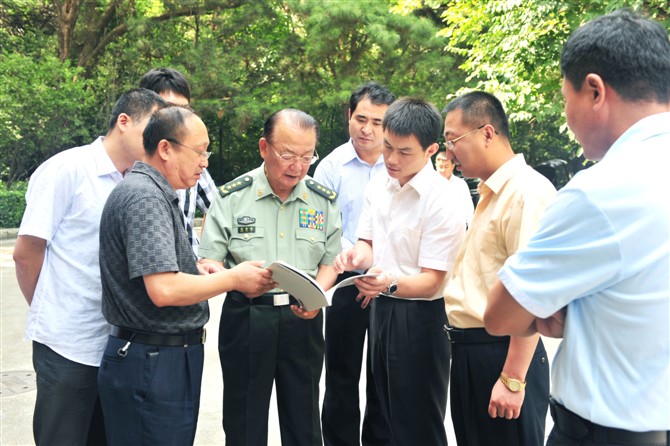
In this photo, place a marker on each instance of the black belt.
(577, 427)
(472, 336)
(171, 340)
(271, 299)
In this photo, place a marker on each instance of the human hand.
(209, 266)
(252, 279)
(504, 403)
(347, 260)
(304, 314)
(370, 287)
(552, 326)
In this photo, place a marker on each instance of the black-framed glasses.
(450, 143)
(204, 155)
(290, 158)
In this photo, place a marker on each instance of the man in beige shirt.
(492, 378)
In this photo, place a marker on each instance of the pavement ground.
(17, 392)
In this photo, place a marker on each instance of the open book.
(305, 289)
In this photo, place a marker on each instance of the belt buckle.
(203, 336)
(280, 299)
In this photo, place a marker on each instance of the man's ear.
(432, 149)
(263, 147)
(163, 149)
(595, 88)
(123, 121)
(348, 114)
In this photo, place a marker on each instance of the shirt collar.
(422, 182)
(350, 154)
(143, 168)
(103, 163)
(496, 181)
(647, 127)
(263, 188)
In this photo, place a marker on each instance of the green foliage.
(46, 109)
(12, 205)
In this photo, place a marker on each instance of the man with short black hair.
(597, 271)
(57, 268)
(408, 235)
(172, 86)
(347, 170)
(154, 294)
(499, 385)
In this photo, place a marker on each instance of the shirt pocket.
(310, 246)
(245, 245)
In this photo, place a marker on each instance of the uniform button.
(281, 208)
(311, 239)
(281, 234)
(246, 236)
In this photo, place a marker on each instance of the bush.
(12, 205)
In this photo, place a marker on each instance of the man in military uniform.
(274, 213)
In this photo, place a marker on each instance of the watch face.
(393, 288)
(514, 385)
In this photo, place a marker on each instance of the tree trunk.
(68, 12)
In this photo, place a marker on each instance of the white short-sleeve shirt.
(64, 202)
(413, 226)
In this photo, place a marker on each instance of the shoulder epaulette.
(321, 190)
(235, 185)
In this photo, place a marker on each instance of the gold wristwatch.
(514, 385)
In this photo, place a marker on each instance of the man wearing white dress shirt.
(445, 167)
(409, 235)
(58, 271)
(347, 170)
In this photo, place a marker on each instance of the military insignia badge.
(311, 219)
(246, 220)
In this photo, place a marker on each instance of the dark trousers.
(475, 368)
(410, 365)
(572, 430)
(67, 408)
(260, 344)
(346, 326)
(152, 395)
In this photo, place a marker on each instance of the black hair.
(296, 117)
(374, 92)
(166, 123)
(163, 80)
(136, 103)
(629, 52)
(480, 108)
(413, 116)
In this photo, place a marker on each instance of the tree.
(46, 108)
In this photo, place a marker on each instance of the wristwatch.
(514, 385)
(393, 287)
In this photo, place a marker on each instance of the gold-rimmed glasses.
(290, 158)
(450, 143)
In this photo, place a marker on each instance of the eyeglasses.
(450, 143)
(289, 158)
(204, 155)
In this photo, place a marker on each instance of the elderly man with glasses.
(274, 213)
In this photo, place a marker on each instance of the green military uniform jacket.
(248, 222)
